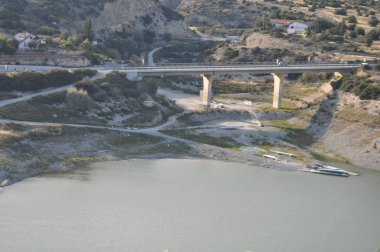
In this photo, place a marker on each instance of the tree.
(374, 34)
(263, 23)
(373, 21)
(7, 46)
(353, 34)
(342, 12)
(360, 31)
(319, 25)
(87, 32)
(352, 20)
(368, 41)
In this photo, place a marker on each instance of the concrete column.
(278, 86)
(207, 88)
(134, 76)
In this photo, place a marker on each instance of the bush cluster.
(33, 81)
(114, 85)
(315, 77)
(362, 87)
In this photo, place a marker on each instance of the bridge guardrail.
(219, 66)
(247, 63)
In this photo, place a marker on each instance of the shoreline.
(203, 152)
(193, 151)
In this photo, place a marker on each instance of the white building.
(26, 40)
(297, 27)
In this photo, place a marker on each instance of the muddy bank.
(31, 150)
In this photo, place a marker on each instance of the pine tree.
(87, 31)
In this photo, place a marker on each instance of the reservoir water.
(191, 205)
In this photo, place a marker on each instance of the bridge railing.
(249, 63)
(239, 64)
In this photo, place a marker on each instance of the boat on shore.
(328, 170)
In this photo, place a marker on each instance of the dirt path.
(205, 37)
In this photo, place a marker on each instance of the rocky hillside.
(230, 14)
(49, 17)
(144, 15)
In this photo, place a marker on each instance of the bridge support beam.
(279, 80)
(207, 89)
(134, 76)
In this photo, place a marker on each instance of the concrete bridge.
(208, 71)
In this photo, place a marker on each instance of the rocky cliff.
(139, 17)
(133, 17)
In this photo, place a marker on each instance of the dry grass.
(8, 134)
(355, 115)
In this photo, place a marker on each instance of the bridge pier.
(279, 80)
(207, 89)
(134, 76)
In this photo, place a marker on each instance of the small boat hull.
(330, 172)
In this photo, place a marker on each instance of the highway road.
(136, 72)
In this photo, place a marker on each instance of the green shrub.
(230, 53)
(315, 77)
(78, 99)
(360, 31)
(352, 19)
(373, 21)
(34, 81)
(342, 12)
(362, 87)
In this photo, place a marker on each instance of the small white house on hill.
(28, 41)
(297, 27)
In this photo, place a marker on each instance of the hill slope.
(56, 16)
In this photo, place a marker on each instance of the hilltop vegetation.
(111, 100)
(34, 81)
(47, 16)
(122, 29)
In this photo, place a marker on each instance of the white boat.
(328, 170)
(337, 169)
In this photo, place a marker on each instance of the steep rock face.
(230, 14)
(137, 16)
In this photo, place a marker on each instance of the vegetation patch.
(112, 100)
(35, 81)
(357, 115)
(186, 52)
(363, 87)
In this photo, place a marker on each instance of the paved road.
(204, 69)
(151, 56)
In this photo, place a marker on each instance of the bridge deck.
(194, 69)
